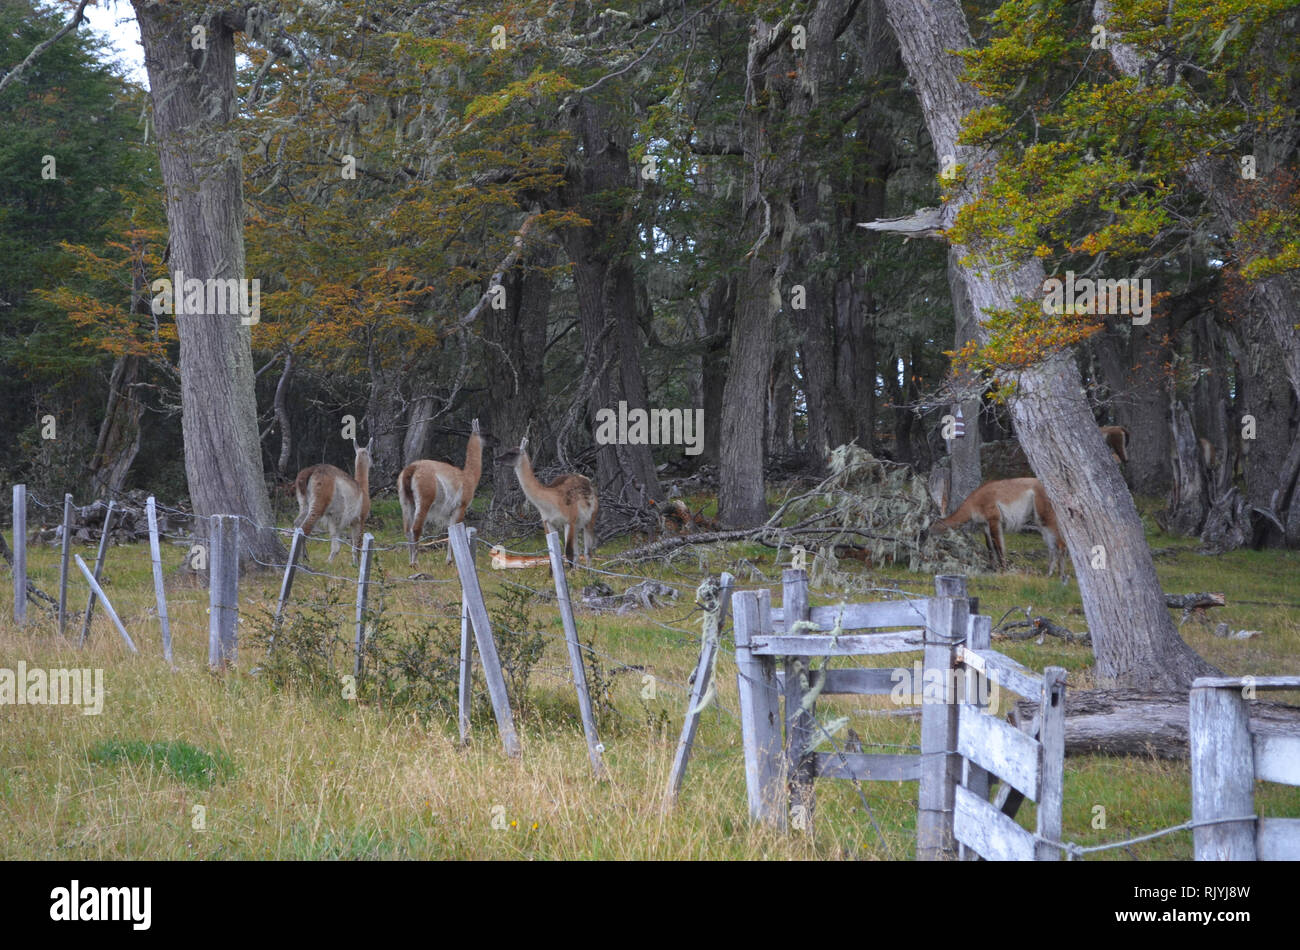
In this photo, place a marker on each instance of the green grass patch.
(188, 763)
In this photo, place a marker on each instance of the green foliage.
(185, 762)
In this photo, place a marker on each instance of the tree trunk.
(1131, 360)
(964, 453)
(608, 300)
(119, 434)
(193, 94)
(1189, 497)
(1135, 640)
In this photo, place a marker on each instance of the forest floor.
(269, 760)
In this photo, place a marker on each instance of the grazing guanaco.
(1010, 505)
(569, 503)
(439, 490)
(335, 499)
(1117, 438)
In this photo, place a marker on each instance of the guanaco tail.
(439, 491)
(331, 497)
(567, 504)
(1010, 505)
(1117, 438)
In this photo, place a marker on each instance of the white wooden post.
(594, 748)
(464, 694)
(155, 555)
(975, 685)
(1051, 787)
(1223, 774)
(472, 596)
(363, 596)
(20, 555)
(223, 590)
(759, 710)
(108, 606)
(713, 625)
(63, 563)
(286, 583)
(99, 572)
(799, 761)
(948, 619)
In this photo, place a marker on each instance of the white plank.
(155, 556)
(594, 749)
(859, 682)
(885, 613)
(1223, 775)
(993, 835)
(818, 644)
(1000, 748)
(759, 712)
(1004, 671)
(63, 563)
(947, 622)
(108, 607)
(1051, 799)
(1277, 758)
(1239, 682)
(363, 600)
(99, 572)
(868, 766)
(20, 554)
(1278, 839)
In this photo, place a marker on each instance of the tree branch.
(67, 28)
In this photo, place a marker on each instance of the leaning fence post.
(363, 597)
(759, 710)
(1051, 707)
(286, 584)
(99, 572)
(594, 748)
(472, 595)
(63, 563)
(108, 606)
(713, 623)
(20, 554)
(223, 590)
(155, 555)
(1223, 774)
(946, 624)
(463, 696)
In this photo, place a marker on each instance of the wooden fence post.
(594, 748)
(63, 563)
(464, 694)
(20, 555)
(363, 595)
(699, 686)
(99, 573)
(1223, 774)
(1051, 796)
(946, 624)
(155, 555)
(759, 710)
(799, 722)
(108, 606)
(286, 583)
(472, 596)
(223, 590)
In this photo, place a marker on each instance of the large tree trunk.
(608, 299)
(1131, 360)
(1189, 495)
(1132, 633)
(963, 459)
(193, 94)
(119, 434)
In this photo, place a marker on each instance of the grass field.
(187, 764)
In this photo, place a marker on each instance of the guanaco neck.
(527, 480)
(474, 458)
(361, 474)
(961, 515)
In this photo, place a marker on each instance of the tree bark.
(964, 453)
(193, 94)
(1134, 639)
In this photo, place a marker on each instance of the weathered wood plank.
(1051, 801)
(1240, 682)
(1278, 839)
(99, 574)
(363, 600)
(975, 689)
(1223, 774)
(290, 572)
(858, 644)
(868, 766)
(759, 711)
(860, 682)
(946, 625)
(108, 606)
(1277, 758)
(699, 686)
(1003, 670)
(799, 722)
(20, 554)
(993, 835)
(999, 748)
(223, 590)
(463, 693)
(885, 613)
(594, 749)
(472, 595)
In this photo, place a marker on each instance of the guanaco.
(1010, 505)
(440, 491)
(335, 499)
(1117, 438)
(569, 503)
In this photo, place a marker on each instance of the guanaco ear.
(523, 444)
(473, 427)
(370, 445)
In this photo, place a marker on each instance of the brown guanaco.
(439, 490)
(567, 504)
(1010, 505)
(331, 497)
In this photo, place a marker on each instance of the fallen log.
(1133, 722)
